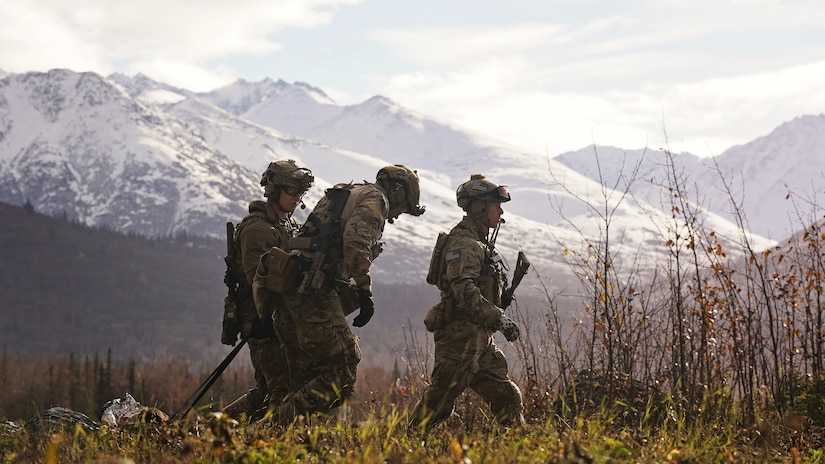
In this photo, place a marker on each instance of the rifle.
(231, 326)
(328, 232)
(522, 265)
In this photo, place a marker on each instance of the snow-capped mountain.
(777, 177)
(273, 104)
(145, 157)
(772, 181)
(77, 144)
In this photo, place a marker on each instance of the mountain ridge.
(211, 157)
(764, 177)
(132, 175)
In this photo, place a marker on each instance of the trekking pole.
(207, 383)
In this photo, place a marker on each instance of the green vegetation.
(382, 436)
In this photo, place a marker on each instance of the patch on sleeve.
(451, 255)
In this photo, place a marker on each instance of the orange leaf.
(457, 450)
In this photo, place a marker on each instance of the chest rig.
(493, 278)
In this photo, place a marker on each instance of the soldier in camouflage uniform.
(468, 272)
(322, 350)
(269, 224)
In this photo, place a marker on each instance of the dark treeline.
(29, 385)
(69, 288)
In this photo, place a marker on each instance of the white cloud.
(704, 117)
(737, 109)
(549, 79)
(39, 40)
(456, 46)
(709, 73)
(104, 34)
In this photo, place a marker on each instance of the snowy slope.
(76, 144)
(772, 181)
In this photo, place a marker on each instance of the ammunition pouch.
(435, 317)
(281, 271)
(439, 315)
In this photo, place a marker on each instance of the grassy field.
(383, 436)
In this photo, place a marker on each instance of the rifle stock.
(522, 265)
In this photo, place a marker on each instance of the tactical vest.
(289, 226)
(491, 281)
(283, 230)
(493, 278)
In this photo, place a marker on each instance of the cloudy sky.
(546, 75)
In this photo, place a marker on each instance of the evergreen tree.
(75, 400)
(131, 376)
(28, 207)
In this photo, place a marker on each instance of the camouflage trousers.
(271, 380)
(466, 357)
(322, 353)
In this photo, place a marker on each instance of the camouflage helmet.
(482, 189)
(285, 173)
(402, 187)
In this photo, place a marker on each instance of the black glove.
(261, 329)
(367, 308)
(509, 328)
(229, 332)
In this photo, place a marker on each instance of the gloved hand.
(367, 308)
(509, 328)
(261, 329)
